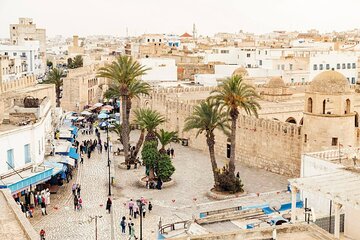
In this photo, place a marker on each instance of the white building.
(161, 70)
(23, 60)
(330, 183)
(343, 62)
(22, 146)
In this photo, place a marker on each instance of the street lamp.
(106, 124)
(140, 205)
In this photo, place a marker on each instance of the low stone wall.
(23, 222)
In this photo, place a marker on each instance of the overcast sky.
(88, 17)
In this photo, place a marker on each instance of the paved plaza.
(193, 178)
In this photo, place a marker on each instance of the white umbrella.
(86, 113)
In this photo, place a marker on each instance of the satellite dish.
(275, 205)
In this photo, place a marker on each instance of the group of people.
(76, 190)
(41, 199)
(170, 152)
(134, 211)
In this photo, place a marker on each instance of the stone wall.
(17, 84)
(264, 143)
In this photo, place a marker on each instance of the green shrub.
(165, 167)
(150, 154)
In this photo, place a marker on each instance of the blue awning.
(58, 167)
(73, 154)
(15, 183)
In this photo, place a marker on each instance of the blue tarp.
(284, 207)
(74, 130)
(73, 154)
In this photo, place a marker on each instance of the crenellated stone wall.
(264, 143)
(17, 84)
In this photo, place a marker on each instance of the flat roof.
(342, 186)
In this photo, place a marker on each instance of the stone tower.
(329, 118)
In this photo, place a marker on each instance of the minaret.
(194, 32)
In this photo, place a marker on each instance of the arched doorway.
(356, 119)
(291, 120)
(324, 107)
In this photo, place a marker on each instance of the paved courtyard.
(193, 178)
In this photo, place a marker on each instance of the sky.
(113, 17)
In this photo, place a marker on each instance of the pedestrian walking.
(172, 152)
(129, 225)
(80, 201)
(78, 189)
(136, 211)
(76, 202)
(132, 233)
(43, 208)
(123, 224)
(73, 188)
(108, 205)
(81, 158)
(150, 206)
(131, 207)
(143, 208)
(42, 234)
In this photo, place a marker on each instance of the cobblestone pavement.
(65, 223)
(193, 178)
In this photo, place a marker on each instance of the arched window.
(291, 120)
(309, 105)
(347, 108)
(324, 106)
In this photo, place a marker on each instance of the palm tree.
(136, 88)
(55, 76)
(78, 61)
(234, 95)
(150, 120)
(165, 138)
(123, 71)
(206, 117)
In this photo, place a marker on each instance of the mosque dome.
(330, 82)
(276, 82)
(241, 71)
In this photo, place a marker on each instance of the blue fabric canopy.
(74, 130)
(73, 154)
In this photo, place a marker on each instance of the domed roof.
(241, 71)
(276, 82)
(330, 82)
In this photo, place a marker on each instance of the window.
(338, 66)
(334, 141)
(148, 40)
(260, 62)
(302, 79)
(27, 153)
(159, 40)
(354, 65)
(347, 108)
(14, 54)
(6, 53)
(309, 105)
(348, 66)
(292, 80)
(305, 138)
(343, 66)
(291, 66)
(282, 67)
(13, 27)
(265, 52)
(353, 80)
(324, 106)
(248, 55)
(153, 40)
(327, 66)
(321, 67)
(10, 158)
(315, 67)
